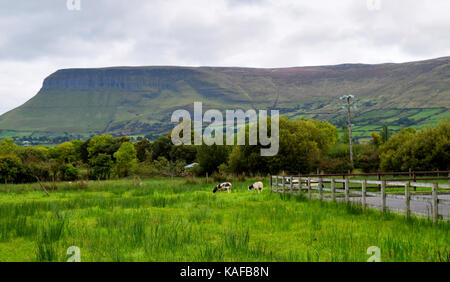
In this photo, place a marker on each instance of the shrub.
(219, 177)
(69, 172)
(101, 166)
(367, 157)
(427, 149)
(10, 168)
(336, 165)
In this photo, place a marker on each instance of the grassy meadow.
(182, 220)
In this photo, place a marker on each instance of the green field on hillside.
(182, 220)
(364, 124)
(395, 119)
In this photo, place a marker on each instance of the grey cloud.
(43, 36)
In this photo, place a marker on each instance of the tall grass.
(183, 220)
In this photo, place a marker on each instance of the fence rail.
(393, 173)
(291, 184)
(412, 175)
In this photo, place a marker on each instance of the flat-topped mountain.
(140, 100)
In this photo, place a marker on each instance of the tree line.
(306, 146)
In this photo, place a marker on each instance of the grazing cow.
(222, 187)
(257, 186)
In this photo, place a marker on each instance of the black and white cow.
(222, 187)
(257, 186)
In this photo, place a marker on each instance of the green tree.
(237, 162)
(101, 166)
(32, 154)
(210, 157)
(161, 148)
(55, 166)
(392, 153)
(367, 157)
(161, 166)
(7, 146)
(102, 144)
(78, 149)
(143, 150)
(69, 172)
(427, 149)
(125, 159)
(186, 153)
(10, 168)
(377, 139)
(64, 152)
(344, 139)
(302, 144)
(385, 134)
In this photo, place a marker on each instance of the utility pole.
(349, 117)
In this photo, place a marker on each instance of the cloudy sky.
(39, 37)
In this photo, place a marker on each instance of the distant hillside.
(140, 100)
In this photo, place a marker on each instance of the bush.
(219, 177)
(102, 166)
(146, 169)
(69, 172)
(10, 168)
(241, 177)
(336, 165)
(427, 149)
(367, 157)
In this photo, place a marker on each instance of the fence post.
(271, 179)
(415, 180)
(333, 190)
(309, 187)
(363, 196)
(435, 203)
(407, 200)
(320, 189)
(282, 181)
(383, 196)
(347, 190)
(276, 182)
(292, 180)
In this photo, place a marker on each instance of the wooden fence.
(414, 176)
(292, 184)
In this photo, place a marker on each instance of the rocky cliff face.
(117, 78)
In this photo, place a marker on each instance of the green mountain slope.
(140, 100)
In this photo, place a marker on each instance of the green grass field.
(396, 119)
(180, 220)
